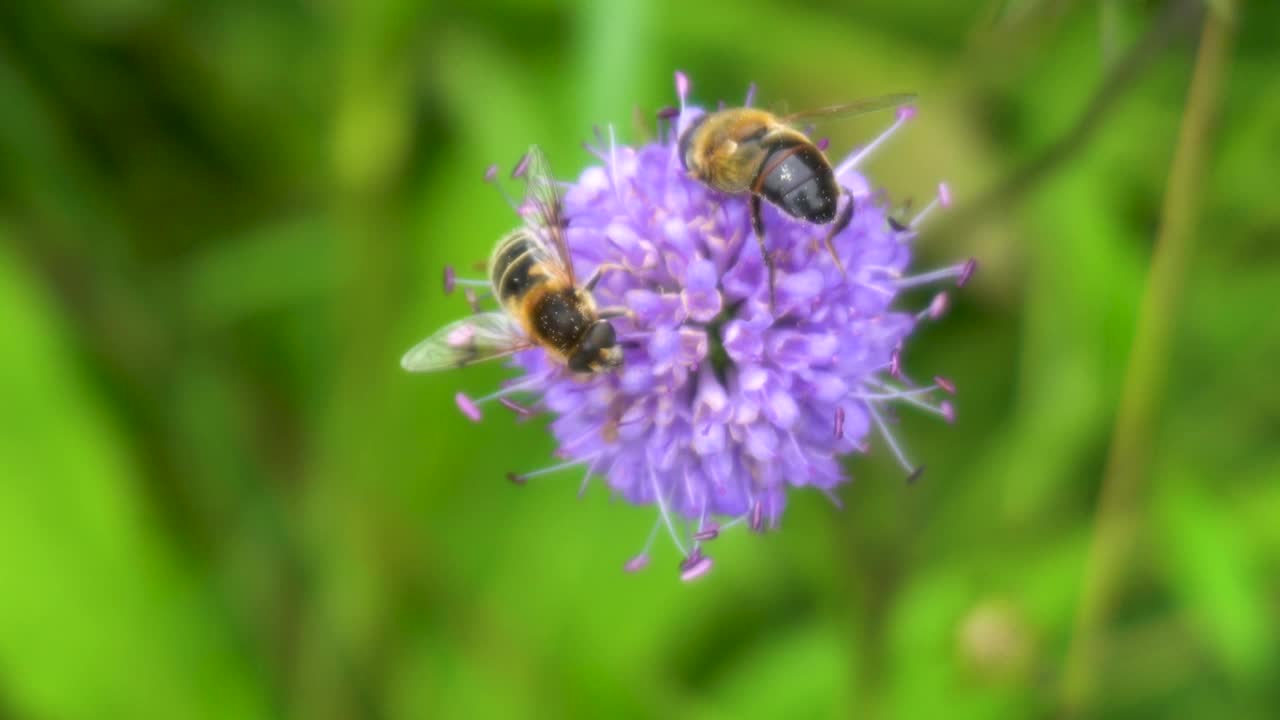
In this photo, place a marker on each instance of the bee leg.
(596, 276)
(613, 311)
(757, 225)
(843, 217)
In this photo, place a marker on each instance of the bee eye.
(600, 336)
(686, 139)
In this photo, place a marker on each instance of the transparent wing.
(857, 107)
(543, 211)
(473, 339)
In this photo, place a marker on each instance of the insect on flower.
(531, 274)
(746, 150)
(726, 401)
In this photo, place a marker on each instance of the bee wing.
(857, 107)
(543, 212)
(473, 339)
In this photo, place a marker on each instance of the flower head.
(724, 403)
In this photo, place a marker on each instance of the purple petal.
(700, 296)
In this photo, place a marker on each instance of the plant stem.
(1119, 507)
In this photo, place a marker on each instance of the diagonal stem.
(1119, 507)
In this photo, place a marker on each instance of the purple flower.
(722, 406)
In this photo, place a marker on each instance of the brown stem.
(1119, 508)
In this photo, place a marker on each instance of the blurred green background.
(221, 224)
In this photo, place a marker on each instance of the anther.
(468, 407)
(938, 306)
(696, 569)
(708, 531)
(944, 195)
(682, 86)
(450, 279)
(521, 167)
(970, 267)
(946, 384)
(915, 475)
(839, 422)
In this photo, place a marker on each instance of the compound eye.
(687, 138)
(599, 337)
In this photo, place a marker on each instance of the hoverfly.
(531, 274)
(748, 150)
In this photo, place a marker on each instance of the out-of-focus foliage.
(220, 224)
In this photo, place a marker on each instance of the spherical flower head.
(725, 402)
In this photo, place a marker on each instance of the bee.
(532, 276)
(748, 150)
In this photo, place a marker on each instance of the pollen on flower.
(725, 403)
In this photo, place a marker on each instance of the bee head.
(688, 140)
(598, 350)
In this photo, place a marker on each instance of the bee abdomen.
(513, 270)
(798, 179)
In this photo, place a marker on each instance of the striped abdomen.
(798, 179)
(555, 315)
(513, 268)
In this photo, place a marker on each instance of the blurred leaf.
(93, 595)
(801, 672)
(1210, 563)
(274, 266)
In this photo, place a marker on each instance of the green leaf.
(1214, 573)
(98, 616)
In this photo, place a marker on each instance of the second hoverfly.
(747, 150)
(532, 276)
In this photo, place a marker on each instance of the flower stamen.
(694, 567)
(942, 200)
(960, 271)
(937, 307)
(904, 114)
(522, 478)
(662, 511)
(906, 464)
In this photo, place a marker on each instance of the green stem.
(1119, 508)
